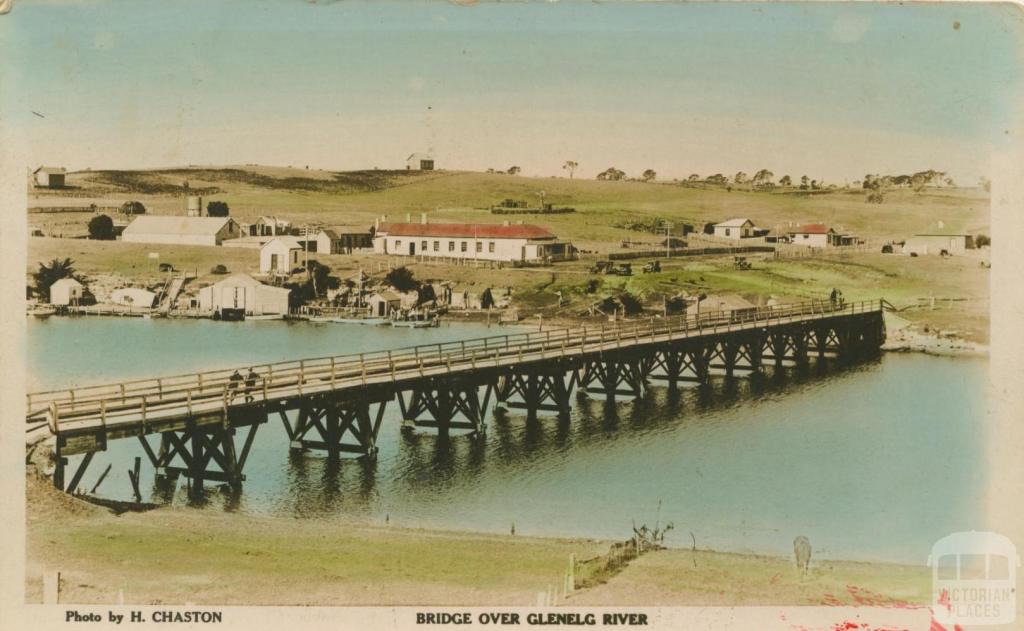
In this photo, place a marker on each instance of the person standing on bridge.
(233, 383)
(250, 384)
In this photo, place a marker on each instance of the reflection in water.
(845, 457)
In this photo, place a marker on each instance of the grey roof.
(176, 224)
(51, 170)
(734, 223)
(420, 156)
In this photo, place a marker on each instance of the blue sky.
(831, 90)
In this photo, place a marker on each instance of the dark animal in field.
(802, 550)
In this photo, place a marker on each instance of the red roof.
(811, 228)
(466, 230)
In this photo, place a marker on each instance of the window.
(398, 244)
(727, 231)
(479, 247)
(464, 246)
(437, 246)
(490, 247)
(451, 246)
(423, 246)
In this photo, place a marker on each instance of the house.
(66, 291)
(133, 297)
(268, 226)
(735, 229)
(180, 230)
(280, 255)
(816, 235)
(49, 177)
(939, 243)
(419, 162)
(341, 240)
(243, 293)
(483, 241)
(383, 303)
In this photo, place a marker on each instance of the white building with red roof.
(816, 235)
(479, 241)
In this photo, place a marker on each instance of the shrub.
(101, 227)
(219, 269)
(982, 240)
(401, 278)
(217, 209)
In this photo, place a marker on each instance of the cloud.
(850, 27)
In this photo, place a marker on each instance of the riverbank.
(179, 555)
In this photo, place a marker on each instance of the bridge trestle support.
(336, 426)
(446, 404)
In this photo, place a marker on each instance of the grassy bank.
(176, 556)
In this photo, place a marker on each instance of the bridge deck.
(148, 405)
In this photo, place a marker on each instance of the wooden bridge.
(340, 400)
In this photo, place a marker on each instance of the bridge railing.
(205, 391)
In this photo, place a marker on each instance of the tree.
(718, 179)
(762, 177)
(217, 209)
(693, 178)
(570, 166)
(814, 185)
(101, 227)
(50, 273)
(316, 277)
(401, 278)
(514, 170)
(219, 269)
(785, 180)
(649, 175)
(804, 181)
(982, 240)
(740, 178)
(611, 173)
(133, 208)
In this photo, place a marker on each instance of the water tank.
(195, 206)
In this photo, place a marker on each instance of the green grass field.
(357, 198)
(308, 196)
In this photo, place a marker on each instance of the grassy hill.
(358, 197)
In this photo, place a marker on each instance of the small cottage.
(49, 177)
(280, 256)
(383, 303)
(735, 229)
(419, 162)
(66, 291)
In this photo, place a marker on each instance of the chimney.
(408, 217)
(376, 224)
(423, 218)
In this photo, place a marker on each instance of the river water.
(873, 462)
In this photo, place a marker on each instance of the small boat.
(269, 316)
(42, 311)
(369, 321)
(415, 324)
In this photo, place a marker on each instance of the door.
(273, 262)
(412, 248)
